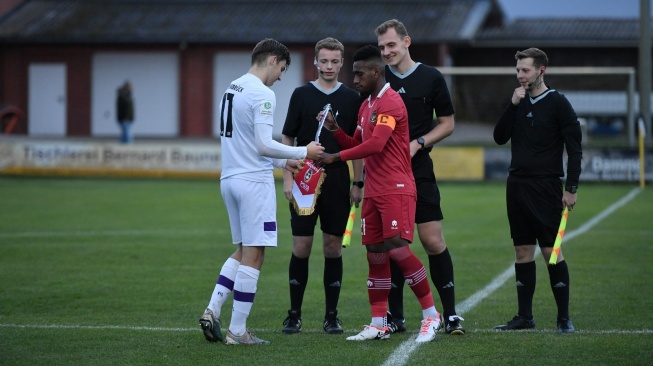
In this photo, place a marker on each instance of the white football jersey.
(248, 102)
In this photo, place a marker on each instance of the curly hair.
(369, 53)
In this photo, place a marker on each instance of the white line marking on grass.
(143, 328)
(608, 331)
(401, 354)
(181, 232)
(38, 234)
(311, 331)
(124, 327)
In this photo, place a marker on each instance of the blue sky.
(571, 8)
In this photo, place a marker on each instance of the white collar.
(385, 87)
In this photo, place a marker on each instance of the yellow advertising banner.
(455, 163)
(174, 159)
(458, 163)
(69, 157)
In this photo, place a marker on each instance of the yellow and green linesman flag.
(346, 238)
(561, 232)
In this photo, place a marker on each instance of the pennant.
(306, 187)
(308, 182)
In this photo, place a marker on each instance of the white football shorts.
(252, 209)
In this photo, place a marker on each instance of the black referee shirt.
(307, 101)
(539, 129)
(423, 90)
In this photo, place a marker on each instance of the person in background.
(125, 112)
(424, 91)
(540, 123)
(335, 199)
(249, 155)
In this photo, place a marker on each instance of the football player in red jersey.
(388, 214)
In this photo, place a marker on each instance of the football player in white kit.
(249, 155)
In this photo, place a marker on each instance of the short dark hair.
(538, 56)
(370, 54)
(270, 47)
(330, 44)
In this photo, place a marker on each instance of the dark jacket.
(125, 104)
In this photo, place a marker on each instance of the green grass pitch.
(118, 271)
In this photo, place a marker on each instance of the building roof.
(563, 32)
(238, 21)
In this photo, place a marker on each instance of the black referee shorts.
(428, 202)
(534, 209)
(332, 206)
(428, 194)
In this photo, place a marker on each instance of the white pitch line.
(312, 331)
(401, 354)
(123, 327)
(139, 328)
(46, 234)
(180, 232)
(578, 331)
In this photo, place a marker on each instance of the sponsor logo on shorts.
(270, 226)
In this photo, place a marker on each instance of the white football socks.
(220, 292)
(244, 292)
(379, 321)
(430, 313)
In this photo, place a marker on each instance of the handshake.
(327, 120)
(315, 152)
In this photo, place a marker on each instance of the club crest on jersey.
(373, 118)
(266, 108)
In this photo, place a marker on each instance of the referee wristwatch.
(359, 183)
(420, 140)
(571, 189)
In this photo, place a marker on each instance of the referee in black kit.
(540, 123)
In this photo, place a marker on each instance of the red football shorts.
(384, 217)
